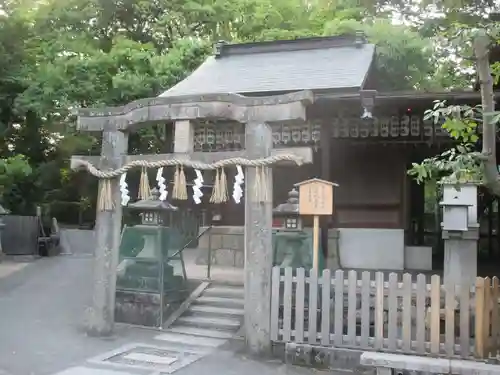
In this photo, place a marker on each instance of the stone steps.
(225, 292)
(200, 332)
(206, 310)
(220, 301)
(228, 324)
(212, 319)
(190, 340)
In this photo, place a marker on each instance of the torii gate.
(256, 113)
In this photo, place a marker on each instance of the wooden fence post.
(479, 337)
(495, 318)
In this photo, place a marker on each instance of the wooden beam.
(145, 112)
(206, 157)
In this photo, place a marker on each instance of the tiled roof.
(281, 66)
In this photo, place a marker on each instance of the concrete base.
(228, 247)
(337, 360)
(418, 258)
(379, 249)
(460, 261)
(362, 248)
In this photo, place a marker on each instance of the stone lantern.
(153, 211)
(286, 215)
(460, 231)
(292, 246)
(154, 214)
(149, 278)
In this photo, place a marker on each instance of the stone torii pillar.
(99, 319)
(256, 113)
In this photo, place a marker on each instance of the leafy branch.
(462, 162)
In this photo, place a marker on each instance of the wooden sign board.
(316, 197)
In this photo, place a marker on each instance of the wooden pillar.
(100, 319)
(258, 245)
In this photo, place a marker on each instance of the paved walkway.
(42, 307)
(9, 266)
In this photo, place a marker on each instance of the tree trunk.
(481, 50)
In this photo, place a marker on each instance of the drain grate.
(164, 360)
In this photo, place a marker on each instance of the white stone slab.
(80, 370)
(464, 367)
(405, 362)
(179, 338)
(150, 358)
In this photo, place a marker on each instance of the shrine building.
(364, 139)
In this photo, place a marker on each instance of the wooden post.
(479, 332)
(315, 242)
(316, 198)
(100, 317)
(258, 245)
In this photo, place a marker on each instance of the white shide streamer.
(123, 190)
(162, 188)
(198, 184)
(239, 179)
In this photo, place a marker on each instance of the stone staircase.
(213, 318)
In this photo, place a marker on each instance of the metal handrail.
(189, 243)
(183, 248)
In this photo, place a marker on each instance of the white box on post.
(455, 217)
(463, 193)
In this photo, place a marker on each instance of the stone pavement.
(9, 266)
(41, 333)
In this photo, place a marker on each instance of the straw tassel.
(223, 194)
(105, 202)
(175, 188)
(261, 188)
(257, 187)
(182, 189)
(144, 188)
(214, 198)
(264, 184)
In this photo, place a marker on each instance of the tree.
(79, 53)
(464, 161)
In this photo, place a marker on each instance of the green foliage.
(12, 170)
(461, 162)
(404, 58)
(63, 54)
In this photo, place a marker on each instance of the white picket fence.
(414, 317)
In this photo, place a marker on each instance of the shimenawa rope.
(179, 191)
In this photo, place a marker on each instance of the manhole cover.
(147, 357)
